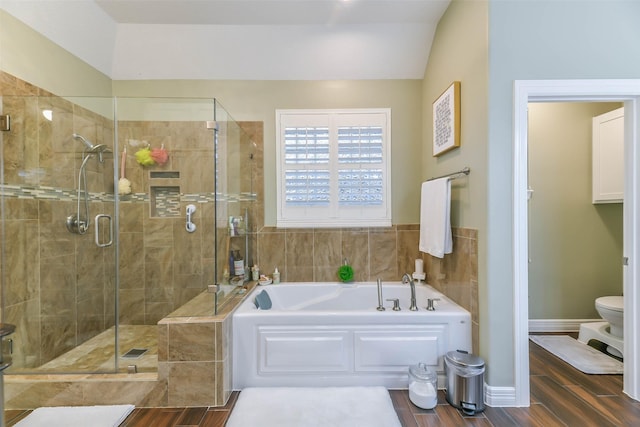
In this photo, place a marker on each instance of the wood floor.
(560, 396)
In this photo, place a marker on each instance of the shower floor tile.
(97, 354)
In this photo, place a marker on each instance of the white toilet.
(610, 308)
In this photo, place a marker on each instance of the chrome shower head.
(90, 148)
(87, 143)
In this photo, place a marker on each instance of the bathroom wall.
(567, 46)
(575, 246)
(57, 286)
(161, 265)
(255, 102)
(26, 54)
(460, 52)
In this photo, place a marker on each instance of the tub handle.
(430, 305)
(396, 304)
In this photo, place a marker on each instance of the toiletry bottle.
(231, 228)
(255, 272)
(276, 276)
(238, 264)
(231, 264)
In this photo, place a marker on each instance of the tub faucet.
(408, 279)
(380, 304)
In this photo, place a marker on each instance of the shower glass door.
(59, 280)
(95, 254)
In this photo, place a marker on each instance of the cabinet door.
(608, 157)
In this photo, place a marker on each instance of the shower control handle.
(396, 303)
(191, 227)
(430, 303)
(97, 228)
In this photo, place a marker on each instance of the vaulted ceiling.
(241, 39)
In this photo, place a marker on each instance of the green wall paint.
(575, 246)
(258, 100)
(537, 40)
(26, 54)
(460, 52)
(31, 57)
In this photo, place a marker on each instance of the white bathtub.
(330, 334)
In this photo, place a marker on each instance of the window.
(333, 168)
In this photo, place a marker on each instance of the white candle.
(419, 266)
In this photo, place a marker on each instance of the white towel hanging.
(435, 219)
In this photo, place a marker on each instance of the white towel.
(77, 416)
(435, 220)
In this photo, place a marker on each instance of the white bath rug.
(581, 356)
(314, 407)
(77, 416)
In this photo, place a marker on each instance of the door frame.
(624, 90)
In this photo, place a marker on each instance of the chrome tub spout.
(408, 279)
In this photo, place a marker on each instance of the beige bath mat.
(581, 356)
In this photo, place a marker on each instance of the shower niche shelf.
(164, 193)
(164, 175)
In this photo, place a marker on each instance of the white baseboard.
(499, 396)
(558, 325)
(506, 396)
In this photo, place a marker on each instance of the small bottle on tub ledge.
(276, 276)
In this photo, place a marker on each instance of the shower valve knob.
(190, 226)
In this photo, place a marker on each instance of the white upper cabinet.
(608, 157)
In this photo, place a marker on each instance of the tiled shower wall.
(57, 289)
(162, 265)
(59, 286)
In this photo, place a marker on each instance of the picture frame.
(446, 120)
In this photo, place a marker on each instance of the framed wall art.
(446, 120)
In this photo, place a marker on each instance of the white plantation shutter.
(306, 158)
(333, 168)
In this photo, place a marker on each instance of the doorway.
(627, 91)
(575, 243)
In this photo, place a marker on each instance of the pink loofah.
(124, 185)
(160, 155)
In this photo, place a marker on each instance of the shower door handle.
(97, 229)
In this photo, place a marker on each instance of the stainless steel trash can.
(465, 381)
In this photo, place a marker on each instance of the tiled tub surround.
(194, 352)
(304, 255)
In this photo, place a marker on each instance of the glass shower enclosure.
(113, 211)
